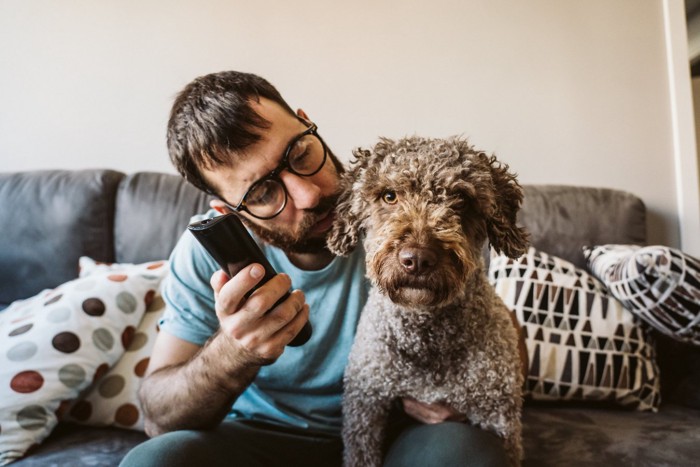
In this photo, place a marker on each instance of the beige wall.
(565, 91)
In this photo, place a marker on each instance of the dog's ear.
(352, 207)
(503, 232)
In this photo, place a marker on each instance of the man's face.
(306, 219)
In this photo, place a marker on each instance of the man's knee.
(446, 444)
(178, 448)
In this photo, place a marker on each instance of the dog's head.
(425, 208)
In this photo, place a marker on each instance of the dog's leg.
(365, 416)
(506, 423)
(498, 411)
(513, 442)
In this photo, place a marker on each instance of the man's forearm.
(198, 393)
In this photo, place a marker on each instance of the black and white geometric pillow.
(583, 345)
(659, 284)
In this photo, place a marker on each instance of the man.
(223, 387)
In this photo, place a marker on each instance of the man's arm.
(193, 387)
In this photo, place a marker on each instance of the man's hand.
(250, 336)
(431, 413)
(258, 330)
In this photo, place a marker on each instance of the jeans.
(251, 444)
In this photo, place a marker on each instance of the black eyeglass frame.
(275, 173)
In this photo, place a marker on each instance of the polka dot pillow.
(55, 344)
(113, 400)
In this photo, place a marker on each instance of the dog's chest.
(426, 345)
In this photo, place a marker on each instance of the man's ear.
(219, 206)
(302, 114)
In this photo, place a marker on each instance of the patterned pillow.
(661, 285)
(582, 344)
(55, 344)
(113, 400)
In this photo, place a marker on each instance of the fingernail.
(256, 272)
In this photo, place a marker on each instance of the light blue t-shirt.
(303, 388)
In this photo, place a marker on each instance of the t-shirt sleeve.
(189, 312)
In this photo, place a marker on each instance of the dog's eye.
(389, 197)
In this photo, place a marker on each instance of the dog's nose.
(417, 260)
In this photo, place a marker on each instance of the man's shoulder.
(211, 213)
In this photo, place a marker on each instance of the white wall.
(565, 91)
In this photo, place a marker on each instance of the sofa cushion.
(48, 220)
(55, 344)
(552, 436)
(153, 210)
(582, 344)
(584, 436)
(79, 446)
(660, 285)
(563, 219)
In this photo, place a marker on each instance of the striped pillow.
(660, 285)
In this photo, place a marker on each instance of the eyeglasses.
(305, 156)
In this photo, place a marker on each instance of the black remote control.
(227, 241)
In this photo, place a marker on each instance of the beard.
(301, 240)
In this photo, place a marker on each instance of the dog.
(433, 329)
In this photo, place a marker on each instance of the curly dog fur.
(433, 328)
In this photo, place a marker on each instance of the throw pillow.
(55, 344)
(113, 401)
(582, 344)
(660, 285)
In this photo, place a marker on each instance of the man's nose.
(303, 192)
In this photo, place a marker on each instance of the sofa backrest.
(152, 212)
(562, 219)
(48, 219)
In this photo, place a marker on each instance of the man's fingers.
(300, 316)
(431, 413)
(218, 279)
(266, 335)
(260, 322)
(230, 293)
(265, 298)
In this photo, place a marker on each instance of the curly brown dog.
(433, 328)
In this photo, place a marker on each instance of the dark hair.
(212, 117)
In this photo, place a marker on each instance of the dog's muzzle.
(417, 260)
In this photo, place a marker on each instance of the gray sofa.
(50, 218)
